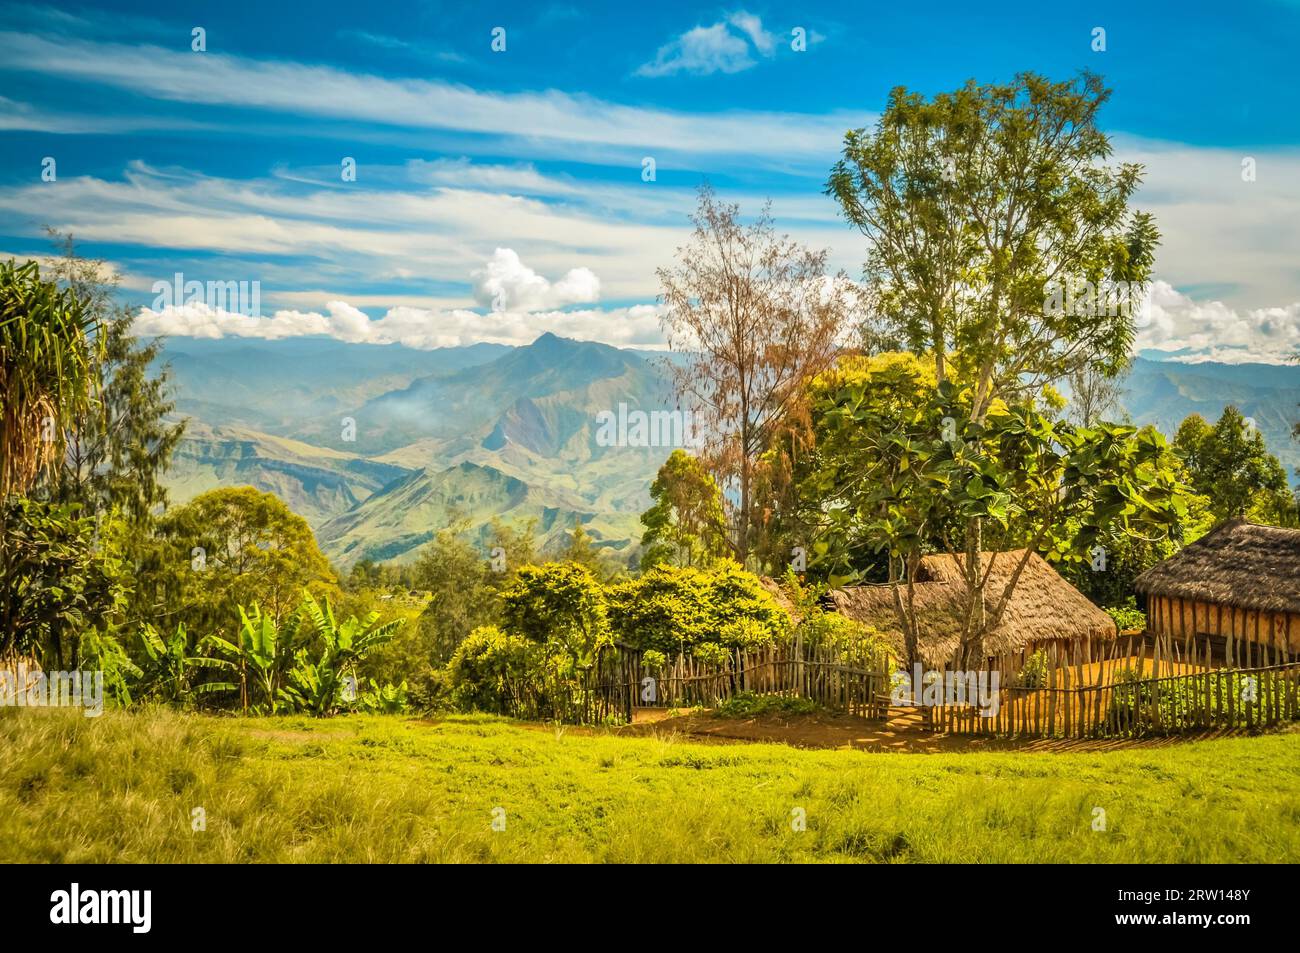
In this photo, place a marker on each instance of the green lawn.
(122, 788)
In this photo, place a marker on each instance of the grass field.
(123, 787)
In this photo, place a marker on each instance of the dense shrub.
(749, 705)
(853, 642)
(675, 609)
(1128, 616)
(487, 667)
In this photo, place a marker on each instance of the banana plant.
(264, 655)
(387, 699)
(172, 664)
(316, 684)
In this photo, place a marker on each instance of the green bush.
(388, 699)
(749, 705)
(1034, 674)
(1128, 616)
(487, 668)
(673, 609)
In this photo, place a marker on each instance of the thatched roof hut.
(782, 596)
(1240, 583)
(1043, 608)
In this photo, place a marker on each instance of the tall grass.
(122, 787)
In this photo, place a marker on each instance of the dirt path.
(902, 732)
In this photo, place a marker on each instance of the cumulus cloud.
(506, 284)
(522, 303)
(1197, 331)
(423, 328)
(724, 47)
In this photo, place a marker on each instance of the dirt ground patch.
(901, 732)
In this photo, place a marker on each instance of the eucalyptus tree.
(756, 314)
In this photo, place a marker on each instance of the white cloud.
(723, 47)
(548, 118)
(505, 283)
(300, 232)
(523, 305)
(1195, 331)
(1222, 236)
(752, 27)
(413, 327)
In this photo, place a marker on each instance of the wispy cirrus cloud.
(553, 116)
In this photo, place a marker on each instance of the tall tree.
(227, 548)
(686, 525)
(1229, 463)
(756, 314)
(116, 449)
(582, 550)
(991, 210)
(1094, 395)
(1002, 245)
(464, 587)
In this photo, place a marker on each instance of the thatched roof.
(782, 597)
(1235, 564)
(1043, 606)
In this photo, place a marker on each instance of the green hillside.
(392, 525)
(492, 431)
(316, 482)
(1164, 393)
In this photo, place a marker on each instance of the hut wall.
(1181, 618)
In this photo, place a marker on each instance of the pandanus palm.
(47, 360)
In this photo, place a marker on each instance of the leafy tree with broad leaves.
(1229, 463)
(1027, 480)
(226, 548)
(56, 583)
(984, 204)
(686, 524)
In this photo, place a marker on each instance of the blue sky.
(500, 194)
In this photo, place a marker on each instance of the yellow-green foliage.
(483, 667)
(673, 609)
(123, 788)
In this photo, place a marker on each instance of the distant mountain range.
(381, 447)
(1164, 393)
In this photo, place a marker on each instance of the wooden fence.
(1133, 686)
(622, 682)
(1128, 688)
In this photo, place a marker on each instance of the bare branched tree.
(757, 314)
(1094, 395)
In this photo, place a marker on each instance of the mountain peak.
(548, 340)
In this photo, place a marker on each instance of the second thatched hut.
(1044, 608)
(1235, 590)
